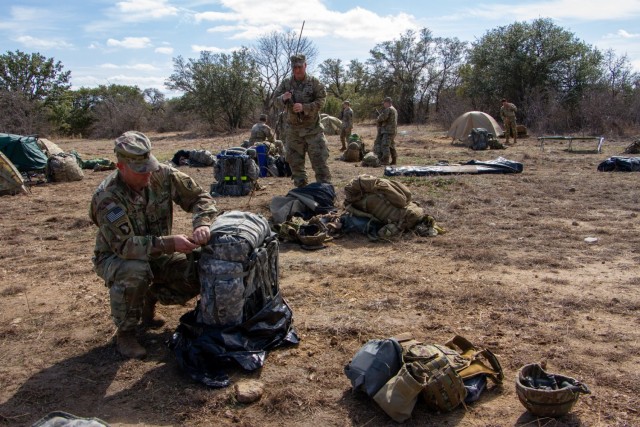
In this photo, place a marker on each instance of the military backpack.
(236, 173)
(238, 269)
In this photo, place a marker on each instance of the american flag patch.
(115, 214)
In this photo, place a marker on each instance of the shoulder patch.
(114, 214)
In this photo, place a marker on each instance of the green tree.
(37, 78)
(218, 86)
(530, 63)
(400, 69)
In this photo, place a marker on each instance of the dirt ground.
(513, 274)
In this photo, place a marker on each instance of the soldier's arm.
(117, 230)
(192, 198)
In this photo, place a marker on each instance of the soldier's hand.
(297, 108)
(201, 235)
(286, 96)
(184, 244)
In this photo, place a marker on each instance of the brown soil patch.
(513, 274)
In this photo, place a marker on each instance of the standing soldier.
(346, 115)
(385, 144)
(136, 255)
(303, 96)
(508, 115)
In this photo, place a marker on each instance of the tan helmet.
(547, 395)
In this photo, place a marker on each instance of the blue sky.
(133, 42)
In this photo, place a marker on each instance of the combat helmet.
(545, 394)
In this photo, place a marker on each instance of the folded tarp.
(499, 165)
(620, 164)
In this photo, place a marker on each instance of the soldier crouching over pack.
(135, 253)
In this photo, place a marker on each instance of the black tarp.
(204, 351)
(620, 164)
(499, 165)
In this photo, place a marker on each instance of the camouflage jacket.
(312, 95)
(346, 116)
(388, 121)
(130, 224)
(261, 132)
(508, 111)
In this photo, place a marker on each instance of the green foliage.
(222, 88)
(524, 60)
(37, 78)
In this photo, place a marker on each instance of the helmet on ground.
(545, 394)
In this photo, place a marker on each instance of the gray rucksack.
(374, 364)
(236, 173)
(238, 269)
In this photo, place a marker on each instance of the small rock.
(591, 239)
(249, 391)
(575, 223)
(333, 342)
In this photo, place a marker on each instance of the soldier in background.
(139, 259)
(261, 132)
(385, 146)
(508, 115)
(303, 96)
(346, 115)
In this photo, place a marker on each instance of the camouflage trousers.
(385, 147)
(510, 129)
(172, 279)
(316, 146)
(345, 133)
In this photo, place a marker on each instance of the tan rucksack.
(387, 201)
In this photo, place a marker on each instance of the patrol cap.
(134, 149)
(263, 117)
(298, 59)
(387, 99)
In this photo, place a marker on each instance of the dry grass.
(512, 273)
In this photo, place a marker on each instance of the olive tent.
(11, 181)
(23, 151)
(461, 127)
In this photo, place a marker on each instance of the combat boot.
(128, 345)
(150, 319)
(394, 158)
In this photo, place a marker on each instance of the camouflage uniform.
(385, 145)
(303, 131)
(346, 115)
(261, 132)
(130, 253)
(508, 115)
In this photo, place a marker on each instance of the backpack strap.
(482, 361)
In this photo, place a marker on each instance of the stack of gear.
(241, 313)
(387, 202)
(236, 173)
(313, 199)
(312, 234)
(370, 160)
(481, 139)
(545, 394)
(396, 371)
(355, 149)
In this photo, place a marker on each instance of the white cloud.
(145, 10)
(216, 16)
(578, 10)
(130, 42)
(36, 43)
(139, 67)
(164, 50)
(213, 49)
(626, 35)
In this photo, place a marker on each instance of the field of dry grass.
(513, 274)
